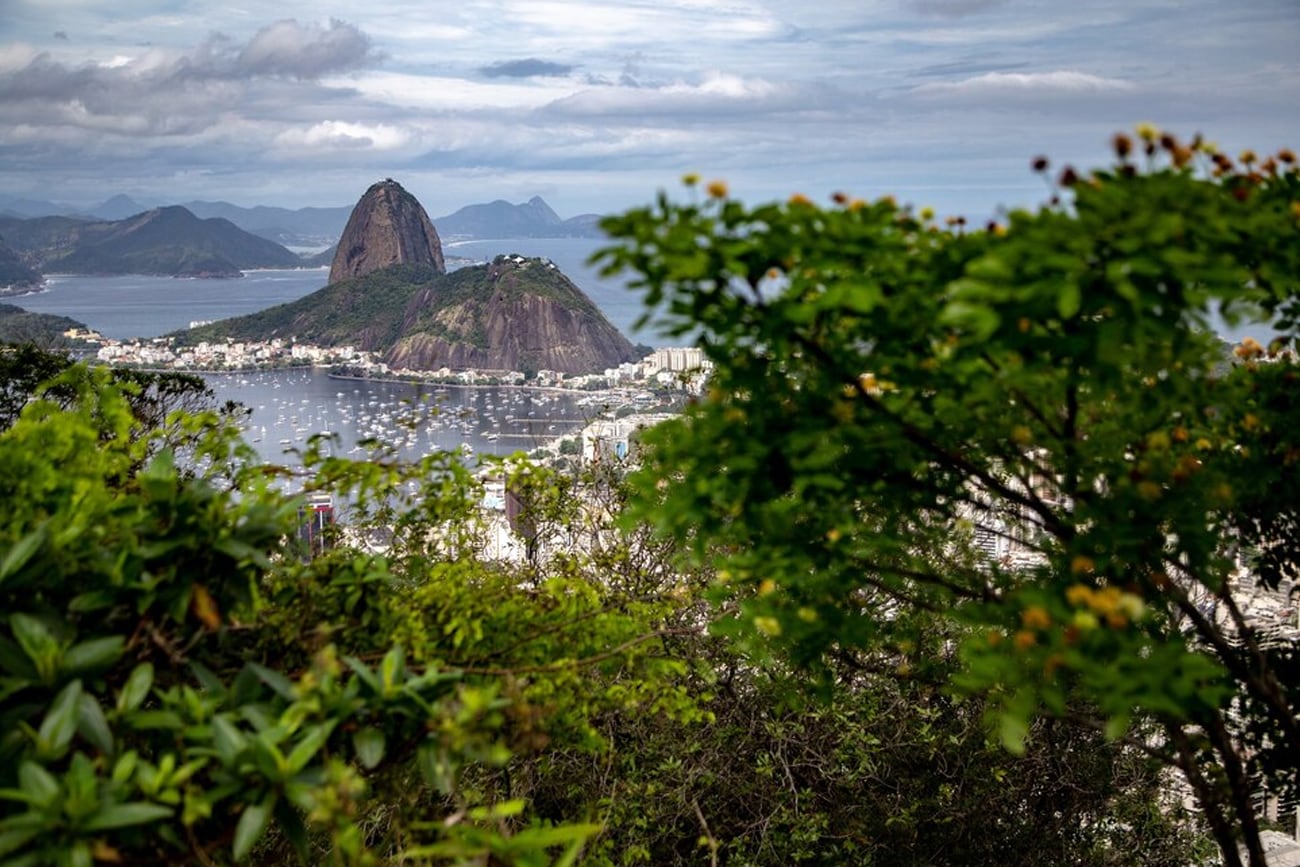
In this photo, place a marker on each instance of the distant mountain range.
(167, 241)
(318, 227)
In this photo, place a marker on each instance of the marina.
(288, 407)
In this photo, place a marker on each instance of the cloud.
(167, 92)
(526, 68)
(952, 8)
(305, 51)
(1014, 83)
(716, 93)
(334, 135)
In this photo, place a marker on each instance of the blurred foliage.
(893, 398)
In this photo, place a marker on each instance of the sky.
(597, 106)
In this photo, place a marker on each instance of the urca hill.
(390, 293)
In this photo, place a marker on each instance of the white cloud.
(15, 56)
(332, 135)
(1057, 81)
(716, 93)
(442, 93)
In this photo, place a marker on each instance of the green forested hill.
(43, 329)
(366, 311)
(12, 270)
(514, 313)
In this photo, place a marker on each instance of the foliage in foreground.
(179, 685)
(888, 392)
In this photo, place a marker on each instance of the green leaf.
(1068, 298)
(34, 636)
(1013, 730)
(363, 672)
(125, 815)
(21, 551)
(94, 654)
(136, 687)
(391, 669)
(37, 783)
(369, 744)
(291, 825)
(78, 856)
(282, 686)
(251, 827)
(93, 725)
(11, 841)
(60, 722)
(308, 747)
(228, 740)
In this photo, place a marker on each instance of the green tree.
(891, 398)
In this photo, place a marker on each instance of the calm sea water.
(140, 306)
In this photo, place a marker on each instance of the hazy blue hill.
(166, 241)
(281, 225)
(500, 219)
(312, 226)
(119, 207)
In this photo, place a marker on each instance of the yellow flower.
(1132, 606)
(1081, 564)
(717, 189)
(1025, 640)
(1035, 617)
(766, 587)
(1106, 600)
(768, 626)
(1085, 621)
(1148, 132)
(1078, 595)
(690, 179)
(807, 615)
(800, 199)
(927, 213)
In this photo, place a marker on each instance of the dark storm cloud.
(527, 68)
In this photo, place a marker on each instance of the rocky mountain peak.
(388, 226)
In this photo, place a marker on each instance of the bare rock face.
(387, 227)
(516, 313)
